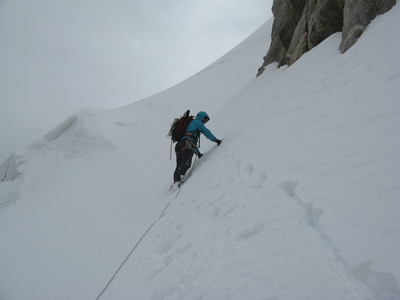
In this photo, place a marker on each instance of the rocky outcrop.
(300, 25)
(358, 14)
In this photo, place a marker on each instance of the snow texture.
(300, 201)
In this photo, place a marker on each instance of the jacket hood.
(201, 115)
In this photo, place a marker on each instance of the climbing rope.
(148, 229)
(126, 259)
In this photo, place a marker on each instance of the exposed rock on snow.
(299, 26)
(357, 15)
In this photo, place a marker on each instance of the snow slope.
(300, 201)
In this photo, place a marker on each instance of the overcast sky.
(59, 56)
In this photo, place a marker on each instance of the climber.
(187, 146)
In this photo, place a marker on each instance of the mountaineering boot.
(174, 186)
(180, 182)
(177, 184)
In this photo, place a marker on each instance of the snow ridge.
(362, 280)
(9, 169)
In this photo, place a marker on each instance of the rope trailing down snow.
(148, 229)
(126, 259)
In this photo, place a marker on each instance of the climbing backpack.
(179, 125)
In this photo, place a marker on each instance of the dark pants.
(183, 159)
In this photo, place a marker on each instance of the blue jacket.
(196, 127)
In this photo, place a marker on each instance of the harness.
(189, 144)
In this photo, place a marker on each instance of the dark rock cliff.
(300, 25)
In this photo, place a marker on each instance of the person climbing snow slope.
(187, 146)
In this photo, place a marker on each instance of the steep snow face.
(300, 201)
